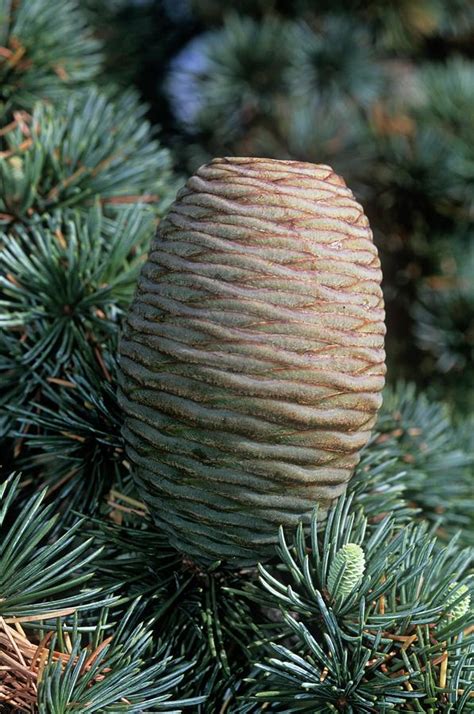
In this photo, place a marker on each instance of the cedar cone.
(252, 357)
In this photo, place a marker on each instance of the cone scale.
(252, 357)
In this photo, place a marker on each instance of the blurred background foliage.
(381, 90)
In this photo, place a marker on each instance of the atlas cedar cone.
(252, 358)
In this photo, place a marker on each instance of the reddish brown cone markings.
(252, 358)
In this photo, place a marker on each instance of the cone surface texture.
(252, 358)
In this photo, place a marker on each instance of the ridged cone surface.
(252, 358)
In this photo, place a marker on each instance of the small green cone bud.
(16, 165)
(462, 606)
(350, 561)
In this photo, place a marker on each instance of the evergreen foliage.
(88, 148)
(232, 76)
(111, 674)
(47, 50)
(431, 458)
(333, 62)
(34, 570)
(383, 645)
(368, 611)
